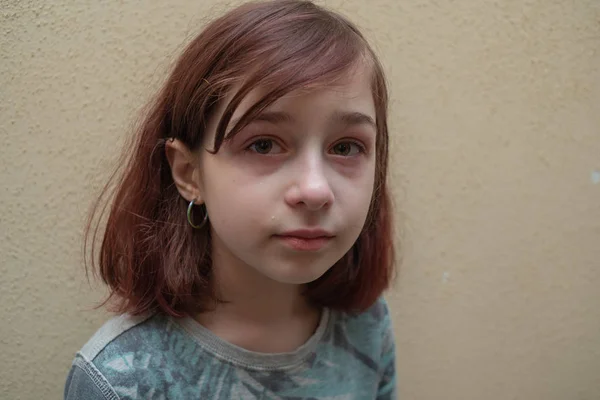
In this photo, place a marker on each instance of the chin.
(296, 277)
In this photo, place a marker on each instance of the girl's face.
(288, 196)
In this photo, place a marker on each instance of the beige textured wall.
(496, 170)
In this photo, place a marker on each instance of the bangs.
(297, 52)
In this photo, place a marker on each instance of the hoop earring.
(190, 219)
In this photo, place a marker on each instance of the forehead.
(351, 90)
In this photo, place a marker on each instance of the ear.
(184, 170)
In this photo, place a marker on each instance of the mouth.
(306, 239)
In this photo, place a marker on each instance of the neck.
(250, 296)
(257, 298)
(258, 313)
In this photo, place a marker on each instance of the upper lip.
(307, 233)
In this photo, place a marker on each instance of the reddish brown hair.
(149, 256)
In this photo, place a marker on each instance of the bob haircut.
(150, 258)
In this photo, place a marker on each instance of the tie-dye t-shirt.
(350, 356)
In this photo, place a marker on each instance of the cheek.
(360, 202)
(357, 199)
(234, 206)
(357, 185)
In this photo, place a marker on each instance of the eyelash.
(261, 139)
(361, 148)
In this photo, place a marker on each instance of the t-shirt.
(349, 356)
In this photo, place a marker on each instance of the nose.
(311, 187)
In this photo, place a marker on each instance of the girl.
(249, 238)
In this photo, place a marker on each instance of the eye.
(346, 149)
(264, 146)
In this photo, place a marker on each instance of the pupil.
(263, 146)
(343, 148)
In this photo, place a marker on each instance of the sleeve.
(387, 385)
(85, 382)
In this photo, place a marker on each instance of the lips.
(308, 233)
(305, 239)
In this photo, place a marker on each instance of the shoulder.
(112, 349)
(379, 311)
(374, 319)
(368, 332)
(119, 331)
(86, 382)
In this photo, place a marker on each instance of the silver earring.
(190, 218)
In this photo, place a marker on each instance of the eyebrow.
(354, 118)
(343, 117)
